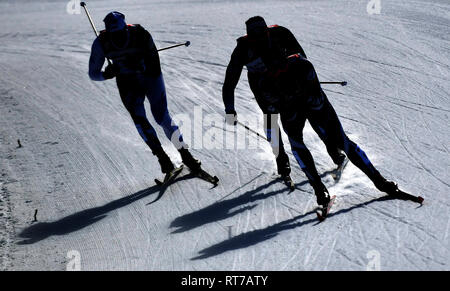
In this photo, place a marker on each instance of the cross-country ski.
(169, 176)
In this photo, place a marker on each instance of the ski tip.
(158, 182)
(420, 199)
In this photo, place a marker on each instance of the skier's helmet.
(114, 21)
(256, 27)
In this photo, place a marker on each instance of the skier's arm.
(232, 76)
(292, 45)
(96, 61)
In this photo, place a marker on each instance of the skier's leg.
(133, 97)
(327, 119)
(271, 126)
(293, 125)
(273, 134)
(334, 152)
(156, 94)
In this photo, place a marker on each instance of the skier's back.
(257, 50)
(136, 66)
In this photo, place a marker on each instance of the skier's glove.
(110, 72)
(231, 117)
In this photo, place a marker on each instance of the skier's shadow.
(226, 208)
(247, 239)
(163, 188)
(79, 220)
(223, 209)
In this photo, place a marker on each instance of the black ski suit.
(299, 96)
(282, 43)
(139, 75)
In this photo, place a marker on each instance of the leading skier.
(136, 67)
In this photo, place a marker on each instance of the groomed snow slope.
(85, 169)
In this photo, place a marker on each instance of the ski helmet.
(256, 27)
(114, 21)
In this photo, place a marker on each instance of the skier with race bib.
(262, 43)
(294, 87)
(136, 67)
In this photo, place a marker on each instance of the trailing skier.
(295, 91)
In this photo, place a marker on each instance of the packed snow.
(85, 170)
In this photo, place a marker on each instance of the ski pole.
(343, 83)
(251, 130)
(83, 4)
(176, 45)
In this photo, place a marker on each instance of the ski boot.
(388, 187)
(392, 190)
(193, 164)
(341, 163)
(325, 203)
(342, 159)
(283, 167)
(165, 162)
(284, 170)
(322, 196)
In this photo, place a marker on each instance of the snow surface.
(85, 169)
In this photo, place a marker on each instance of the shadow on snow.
(248, 239)
(79, 220)
(224, 209)
(84, 218)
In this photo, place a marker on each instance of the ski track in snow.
(86, 171)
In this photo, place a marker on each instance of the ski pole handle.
(343, 83)
(176, 45)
